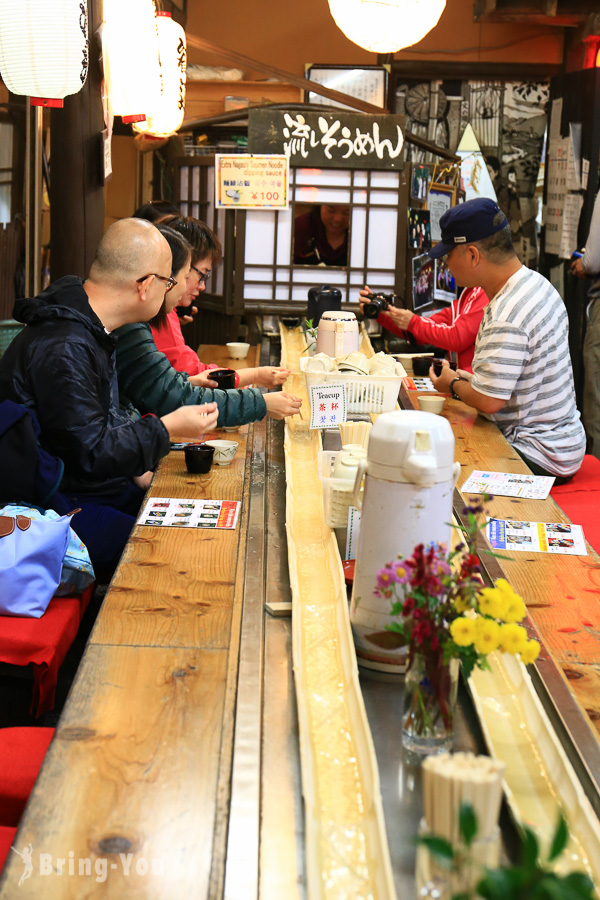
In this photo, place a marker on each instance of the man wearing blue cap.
(522, 377)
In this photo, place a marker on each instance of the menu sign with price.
(246, 181)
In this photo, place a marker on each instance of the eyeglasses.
(202, 276)
(169, 281)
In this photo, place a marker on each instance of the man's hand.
(281, 405)
(203, 379)
(577, 269)
(442, 384)
(271, 376)
(143, 481)
(191, 421)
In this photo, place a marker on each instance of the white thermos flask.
(409, 478)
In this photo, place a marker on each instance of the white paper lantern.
(130, 57)
(384, 26)
(44, 48)
(165, 114)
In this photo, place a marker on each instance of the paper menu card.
(186, 513)
(415, 383)
(505, 484)
(536, 537)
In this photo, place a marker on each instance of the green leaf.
(467, 823)
(559, 841)
(529, 849)
(581, 886)
(498, 884)
(437, 846)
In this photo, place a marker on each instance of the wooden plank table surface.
(562, 592)
(136, 780)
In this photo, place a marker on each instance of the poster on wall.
(474, 172)
(444, 285)
(247, 181)
(419, 229)
(440, 199)
(423, 274)
(419, 182)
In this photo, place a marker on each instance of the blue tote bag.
(31, 558)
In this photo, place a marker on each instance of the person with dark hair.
(522, 376)
(154, 210)
(453, 328)
(206, 255)
(149, 382)
(62, 366)
(321, 236)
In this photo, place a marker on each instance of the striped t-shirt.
(522, 356)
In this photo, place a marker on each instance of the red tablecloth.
(43, 643)
(578, 499)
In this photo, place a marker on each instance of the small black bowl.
(198, 458)
(225, 378)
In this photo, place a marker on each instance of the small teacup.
(198, 458)
(225, 378)
(421, 365)
(224, 451)
(320, 362)
(429, 403)
(237, 349)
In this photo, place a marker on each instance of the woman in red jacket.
(453, 328)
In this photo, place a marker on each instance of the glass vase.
(429, 701)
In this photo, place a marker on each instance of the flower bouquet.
(445, 615)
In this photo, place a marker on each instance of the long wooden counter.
(175, 766)
(562, 592)
(141, 765)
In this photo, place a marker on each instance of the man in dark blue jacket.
(63, 367)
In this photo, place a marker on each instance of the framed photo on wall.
(440, 199)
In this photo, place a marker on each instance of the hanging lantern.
(384, 26)
(130, 57)
(43, 48)
(165, 113)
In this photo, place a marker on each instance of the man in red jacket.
(453, 328)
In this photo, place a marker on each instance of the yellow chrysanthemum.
(513, 607)
(513, 638)
(491, 602)
(487, 635)
(530, 653)
(463, 631)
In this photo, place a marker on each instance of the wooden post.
(76, 168)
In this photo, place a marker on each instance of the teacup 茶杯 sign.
(341, 140)
(247, 181)
(327, 405)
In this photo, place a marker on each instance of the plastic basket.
(364, 393)
(9, 329)
(337, 492)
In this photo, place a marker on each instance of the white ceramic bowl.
(431, 404)
(237, 350)
(224, 451)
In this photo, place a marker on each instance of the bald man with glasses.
(62, 365)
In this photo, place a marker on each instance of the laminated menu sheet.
(536, 537)
(186, 513)
(415, 383)
(506, 484)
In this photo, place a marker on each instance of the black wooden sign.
(339, 140)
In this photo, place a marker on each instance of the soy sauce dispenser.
(409, 478)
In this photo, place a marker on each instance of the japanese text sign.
(335, 140)
(244, 181)
(327, 405)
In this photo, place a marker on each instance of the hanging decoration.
(131, 57)
(385, 26)
(165, 113)
(43, 48)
